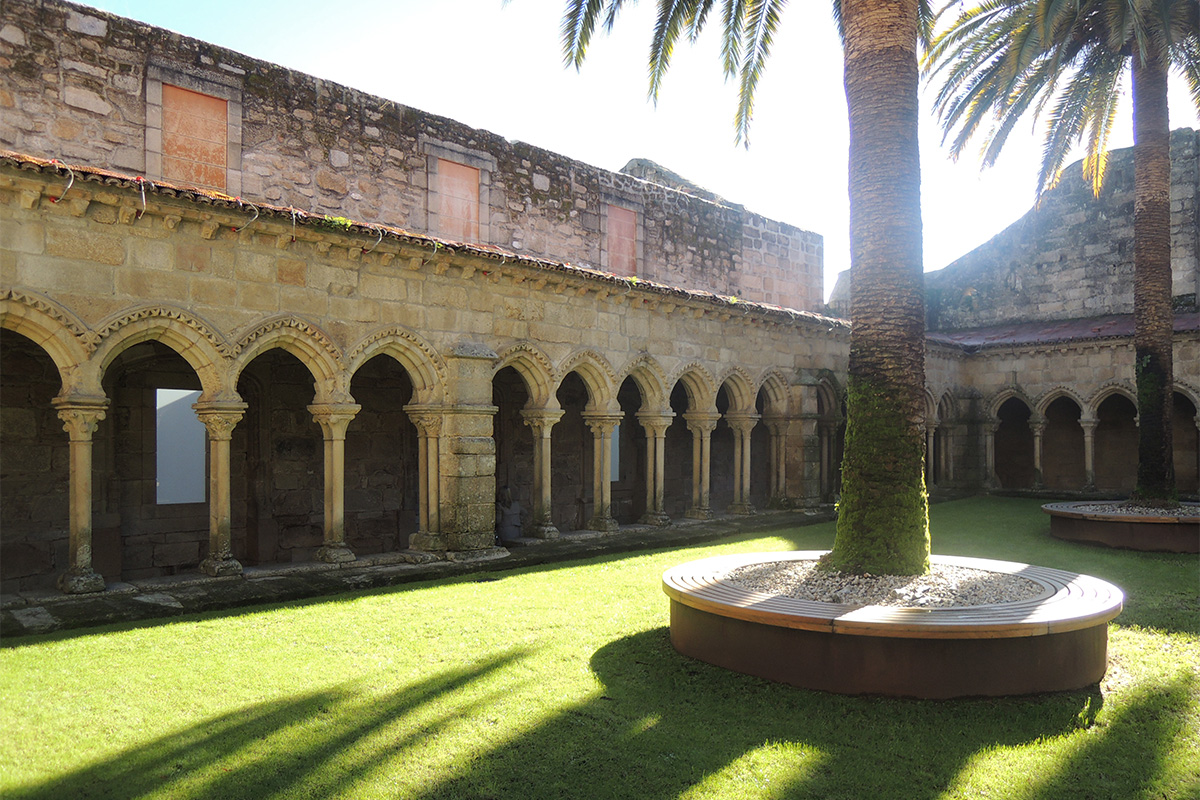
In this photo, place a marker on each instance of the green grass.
(560, 681)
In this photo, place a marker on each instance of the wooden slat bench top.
(1069, 601)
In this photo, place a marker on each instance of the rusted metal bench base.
(1178, 533)
(1053, 643)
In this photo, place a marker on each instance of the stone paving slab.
(31, 613)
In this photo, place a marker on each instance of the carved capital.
(428, 423)
(743, 422)
(333, 417)
(655, 422)
(702, 421)
(541, 420)
(602, 423)
(220, 418)
(80, 415)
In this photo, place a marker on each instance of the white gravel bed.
(1120, 508)
(944, 587)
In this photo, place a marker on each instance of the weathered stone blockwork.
(79, 86)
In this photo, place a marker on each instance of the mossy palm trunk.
(883, 519)
(1153, 315)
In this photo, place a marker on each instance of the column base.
(545, 530)
(81, 582)
(699, 513)
(743, 509)
(427, 542)
(656, 518)
(221, 567)
(335, 554)
(602, 524)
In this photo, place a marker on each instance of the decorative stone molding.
(114, 324)
(302, 328)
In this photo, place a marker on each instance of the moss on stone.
(883, 516)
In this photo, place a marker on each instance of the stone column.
(602, 425)
(1089, 453)
(990, 481)
(742, 425)
(219, 419)
(80, 417)
(1038, 426)
(948, 453)
(429, 428)
(778, 431)
(929, 456)
(540, 421)
(333, 419)
(701, 424)
(655, 425)
(826, 432)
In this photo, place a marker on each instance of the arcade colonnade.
(438, 432)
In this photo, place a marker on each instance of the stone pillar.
(333, 419)
(602, 424)
(826, 431)
(540, 421)
(948, 453)
(1038, 426)
(929, 456)
(990, 481)
(1089, 453)
(778, 431)
(80, 417)
(742, 425)
(429, 427)
(219, 420)
(701, 424)
(655, 425)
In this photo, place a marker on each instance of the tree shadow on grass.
(667, 726)
(312, 745)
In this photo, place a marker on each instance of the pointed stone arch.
(1107, 390)
(650, 379)
(194, 339)
(423, 364)
(58, 332)
(740, 389)
(1055, 393)
(775, 386)
(699, 384)
(1189, 391)
(304, 340)
(598, 376)
(1003, 396)
(535, 369)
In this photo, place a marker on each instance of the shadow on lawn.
(314, 745)
(666, 725)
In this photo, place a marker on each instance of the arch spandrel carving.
(195, 340)
(423, 364)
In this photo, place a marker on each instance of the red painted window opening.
(195, 138)
(622, 241)
(458, 196)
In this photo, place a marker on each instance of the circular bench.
(1053, 642)
(1171, 532)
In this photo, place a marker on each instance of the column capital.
(1037, 426)
(1088, 425)
(541, 420)
(742, 421)
(655, 422)
(80, 415)
(704, 421)
(333, 417)
(602, 423)
(220, 418)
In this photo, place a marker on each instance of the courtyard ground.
(558, 680)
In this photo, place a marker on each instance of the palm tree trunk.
(883, 516)
(1153, 315)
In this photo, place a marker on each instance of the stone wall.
(80, 85)
(1072, 255)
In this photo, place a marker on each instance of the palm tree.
(883, 525)
(1008, 57)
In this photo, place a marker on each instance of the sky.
(498, 66)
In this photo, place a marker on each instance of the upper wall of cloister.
(87, 87)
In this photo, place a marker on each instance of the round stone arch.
(55, 330)
(307, 343)
(424, 366)
(534, 368)
(194, 340)
(598, 377)
(740, 390)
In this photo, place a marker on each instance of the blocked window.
(194, 140)
(621, 241)
(458, 201)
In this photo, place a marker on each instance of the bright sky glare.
(498, 66)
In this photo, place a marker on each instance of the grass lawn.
(560, 681)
